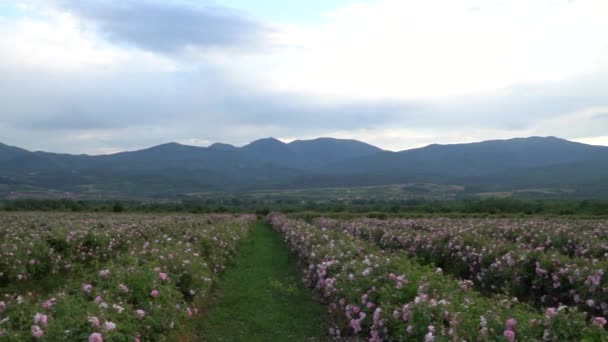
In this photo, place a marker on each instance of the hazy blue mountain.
(223, 147)
(307, 154)
(9, 152)
(475, 159)
(323, 151)
(170, 169)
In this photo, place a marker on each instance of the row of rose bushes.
(145, 292)
(542, 277)
(36, 245)
(567, 236)
(382, 295)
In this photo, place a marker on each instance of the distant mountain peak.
(5, 146)
(269, 140)
(172, 143)
(265, 143)
(168, 145)
(222, 146)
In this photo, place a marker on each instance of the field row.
(386, 295)
(115, 277)
(525, 259)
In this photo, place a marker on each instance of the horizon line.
(289, 141)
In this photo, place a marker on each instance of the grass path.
(260, 298)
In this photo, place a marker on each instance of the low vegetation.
(380, 208)
(382, 295)
(120, 278)
(261, 298)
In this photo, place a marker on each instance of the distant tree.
(118, 207)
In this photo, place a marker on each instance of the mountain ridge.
(174, 168)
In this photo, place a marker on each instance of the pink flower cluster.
(509, 332)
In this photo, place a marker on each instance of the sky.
(101, 76)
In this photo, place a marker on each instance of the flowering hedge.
(384, 295)
(544, 262)
(115, 277)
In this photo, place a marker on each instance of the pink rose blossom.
(87, 288)
(40, 319)
(94, 321)
(109, 326)
(598, 321)
(355, 324)
(37, 332)
(510, 324)
(47, 304)
(154, 293)
(429, 337)
(140, 313)
(163, 276)
(96, 337)
(509, 335)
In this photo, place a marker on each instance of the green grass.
(261, 298)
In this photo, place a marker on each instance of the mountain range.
(173, 169)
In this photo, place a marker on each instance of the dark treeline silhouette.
(490, 206)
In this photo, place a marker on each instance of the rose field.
(95, 277)
(456, 279)
(228, 277)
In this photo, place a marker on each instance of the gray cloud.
(168, 26)
(127, 109)
(520, 106)
(601, 116)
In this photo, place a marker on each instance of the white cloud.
(583, 125)
(195, 142)
(410, 49)
(55, 41)
(601, 140)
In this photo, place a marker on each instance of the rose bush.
(385, 295)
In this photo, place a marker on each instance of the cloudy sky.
(99, 76)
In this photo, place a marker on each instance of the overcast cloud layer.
(94, 76)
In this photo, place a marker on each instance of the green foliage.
(261, 297)
(374, 208)
(118, 207)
